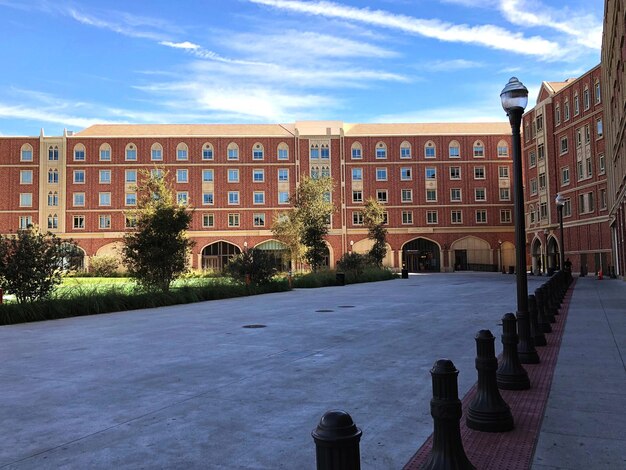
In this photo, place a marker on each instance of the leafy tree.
(374, 220)
(31, 263)
(287, 229)
(254, 265)
(155, 251)
(308, 221)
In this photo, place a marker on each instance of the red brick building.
(447, 187)
(564, 152)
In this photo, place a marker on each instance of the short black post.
(337, 442)
(547, 308)
(525, 347)
(445, 407)
(544, 323)
(539, 339)
(511, 375)
(488, 411)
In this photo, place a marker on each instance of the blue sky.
(71, 64)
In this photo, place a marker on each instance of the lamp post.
(514, 98)
(560, 202)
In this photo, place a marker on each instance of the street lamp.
(560, 202)
(514, 98)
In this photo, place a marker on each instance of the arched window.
(503, 149)
(479, 149)
(598, 92)
(53, 176)
(381, 150)
(53, 199)
(131, 152)
(356, 151)
(566, 110)
(53, 153)
(79, 153)
(182, 151)
(105, 152)
(325, 172)
(325, 149)
(430, 150)
(257, 152)
(454, 149)
(207, 151)
(314, 151)
(576, 105)
(586, 100)
(283, 151)
(405, 150)
(26, 153)
(156, 152)
(53, 221)
(233, 151)
(315, 172)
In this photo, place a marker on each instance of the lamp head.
(560, 200)
(514, 95)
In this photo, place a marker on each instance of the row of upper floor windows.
(432, 217)
(431, 195)
(406, 173)
(430, 150)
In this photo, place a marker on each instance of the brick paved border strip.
(512, 450)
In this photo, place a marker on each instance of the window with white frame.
(283, 175)
(455, 172)
(104, 199)
(406, 195)
(405, 174)
(431, 195)
(53, 153)
(104, 222)
(381, 196)
(505, 194)
(258, 219)
(156, 152)
(208, 175)
(599, 130)
(104, 176)
(503, 172)
(53, 176)
(587, 134)
(78, 199)
(283, 197)
(405, 150)
(456, 217)
(601, 164)
(479, 149)
(356, 151)
(505, 216)
(503, 149)
(357, 196)
(564, 175)
(182, 175)
(598, 92)
(233, 198)
(130, 176)
(557, 114)
(481, 216)
(430, 150)
(455, 194)
(79, 153)
(233, 151)
(381, 174)
(208, 220)
(258, 175)
(325, 151)
(586, 100)
(233, 220)
(566, 110)
(381, 151)
(314, 152)
(431, 173)
(432, 217)
(257, 152)
(543, 210)
(53, 221)
(532, 159)
(542, 181)
(357, 218)
(105, 153)
(130, 221)
(357, 174)
(26, 153)
(182, 152)
(25, 221)
(454, 150)
(130, 199)
(564, 144)
(479, 172)
(283, 151)
(233, 175)
(576, 105)
(130, 153)
(207, 152)
(207, 198)
(407, 217)
(258, 197)
(480, 194)
(603, 203)
(541, 152)
(567, 208)
(78, 222)
(53, 199)
(26, 176)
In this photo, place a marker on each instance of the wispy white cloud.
(490, 36)
(454, 64)
(180, 45)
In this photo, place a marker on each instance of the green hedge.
(329, 278)
(94, 301)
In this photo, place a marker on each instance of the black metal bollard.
(337, 442)
(547, 309)
(539, 339)
(445, 408)
(488, 411)
(525, 346)
(511, 375)
(544, 323)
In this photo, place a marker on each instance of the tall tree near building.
(374, 220)
(155, 251)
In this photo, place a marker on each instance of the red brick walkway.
(512, 450)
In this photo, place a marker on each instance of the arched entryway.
(552, 255)
(535, 252)
(73, 257)
(472, 254)
(365, 245)
(507, 255)
(216, 255)
(421, 255)
(279, 252)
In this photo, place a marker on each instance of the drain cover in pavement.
(346, 306)
(254, 326)
(324, 311)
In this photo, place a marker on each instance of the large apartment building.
(446, 187)
(614, 88)
(564, 153)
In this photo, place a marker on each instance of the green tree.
(31, 263)
(374, 220)
(287, 229)
(155, 252)
(255, 266)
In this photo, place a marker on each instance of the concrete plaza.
(191, 387)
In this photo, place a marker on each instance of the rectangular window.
(283, 154)
(539, 122)
(357, 218)
(259, 197)
(429, 152)
(576, 105)
(587, 134)
(208, 176)
(283, 197)
(233, 197)
(541, 152)
(432, 217)
(454, 151)
(431, 173)
(181, 154)
(431, 195)
(455, 172)
(598, 93)
(480, 194)
(257, 154)
(557, 114)
(505, 194)
(207, 153)
(79, 176)
(589, 167)
(26, 177)
(79, 222)
(601, 165)
(78, 199)
(233, 154)
(208, 220)
(599, 128)
(563, 144)
(505, 216)
(104, 199)
(456, 217)
(357, 174)
(105, 155)
(26, 199)
(532, 159)
(130, 176)
(603, 199)
(258, 220)
(182, 176)
(479, 172)
(104, 221)
(25, 221)
(481, 217)
(405, 174)
(543, 210)
(542, 181)
(405, 152)
(283, 175)
(586, 99)
(407, 217)
(182, 198)
(233, 175)
(79, 155)
(566, 111)
(381, 153)
(579, 170)
(381, 174)
(407, 195)
(258, 175)
(26, 155)
(357, 196)
(156, 155)
(381, 196)
(503, 171)
(567, 208)
(105, 176)
(207, 199)
(564, 176)
(503, 151)
(455, 194)
(533, 186)
(233, 220)
(356, 154)
(479, 151)
(131, 154)
(131, 199)
(130, 221)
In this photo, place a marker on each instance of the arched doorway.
(280, 253)
(216, 255)
(507, 254)
(552, 254)
(535, 251)
(472, 254)
(365, 245)
(73, 257)
(421, 255)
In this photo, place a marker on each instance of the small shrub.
(353, 264)
(104, 265)
(253, 266)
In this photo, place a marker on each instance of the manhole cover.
(346, 306)
(324, 310)
(254, 326)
